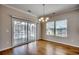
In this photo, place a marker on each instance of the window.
(61, 28)
(57, 28)
(50, 28)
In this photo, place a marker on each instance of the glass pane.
(31, 32)
(19, 32)
(50, 28)
(22, 32)
(16, 32)
(61, 28)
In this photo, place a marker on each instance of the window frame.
(55, 28)
(66, 28)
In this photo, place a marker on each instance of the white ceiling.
(37, 9)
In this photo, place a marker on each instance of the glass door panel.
(19, 32)
(22, 32)
(16, 32)
(31, 32)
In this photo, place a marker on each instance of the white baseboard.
(5, 48)
(62, 43)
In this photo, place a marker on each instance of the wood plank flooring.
(42, 47)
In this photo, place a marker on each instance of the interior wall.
(0, 24)
(5, 25)
(73, 29)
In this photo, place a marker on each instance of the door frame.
(12, 34)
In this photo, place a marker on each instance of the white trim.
(19, 10)
(5, 48)
(63, 43)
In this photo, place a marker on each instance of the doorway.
(22, 31)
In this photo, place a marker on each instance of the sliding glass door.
(22, 32)
(31, 31)
(19, 32)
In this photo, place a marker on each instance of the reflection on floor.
(42, 47)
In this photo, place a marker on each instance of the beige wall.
(73, 29)
(0, 25)
(5, 24)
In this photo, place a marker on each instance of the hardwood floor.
(42, 47)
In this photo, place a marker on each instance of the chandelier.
(43, 18)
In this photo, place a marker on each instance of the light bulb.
(39, 19)
(42, 18)
(47, 19)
